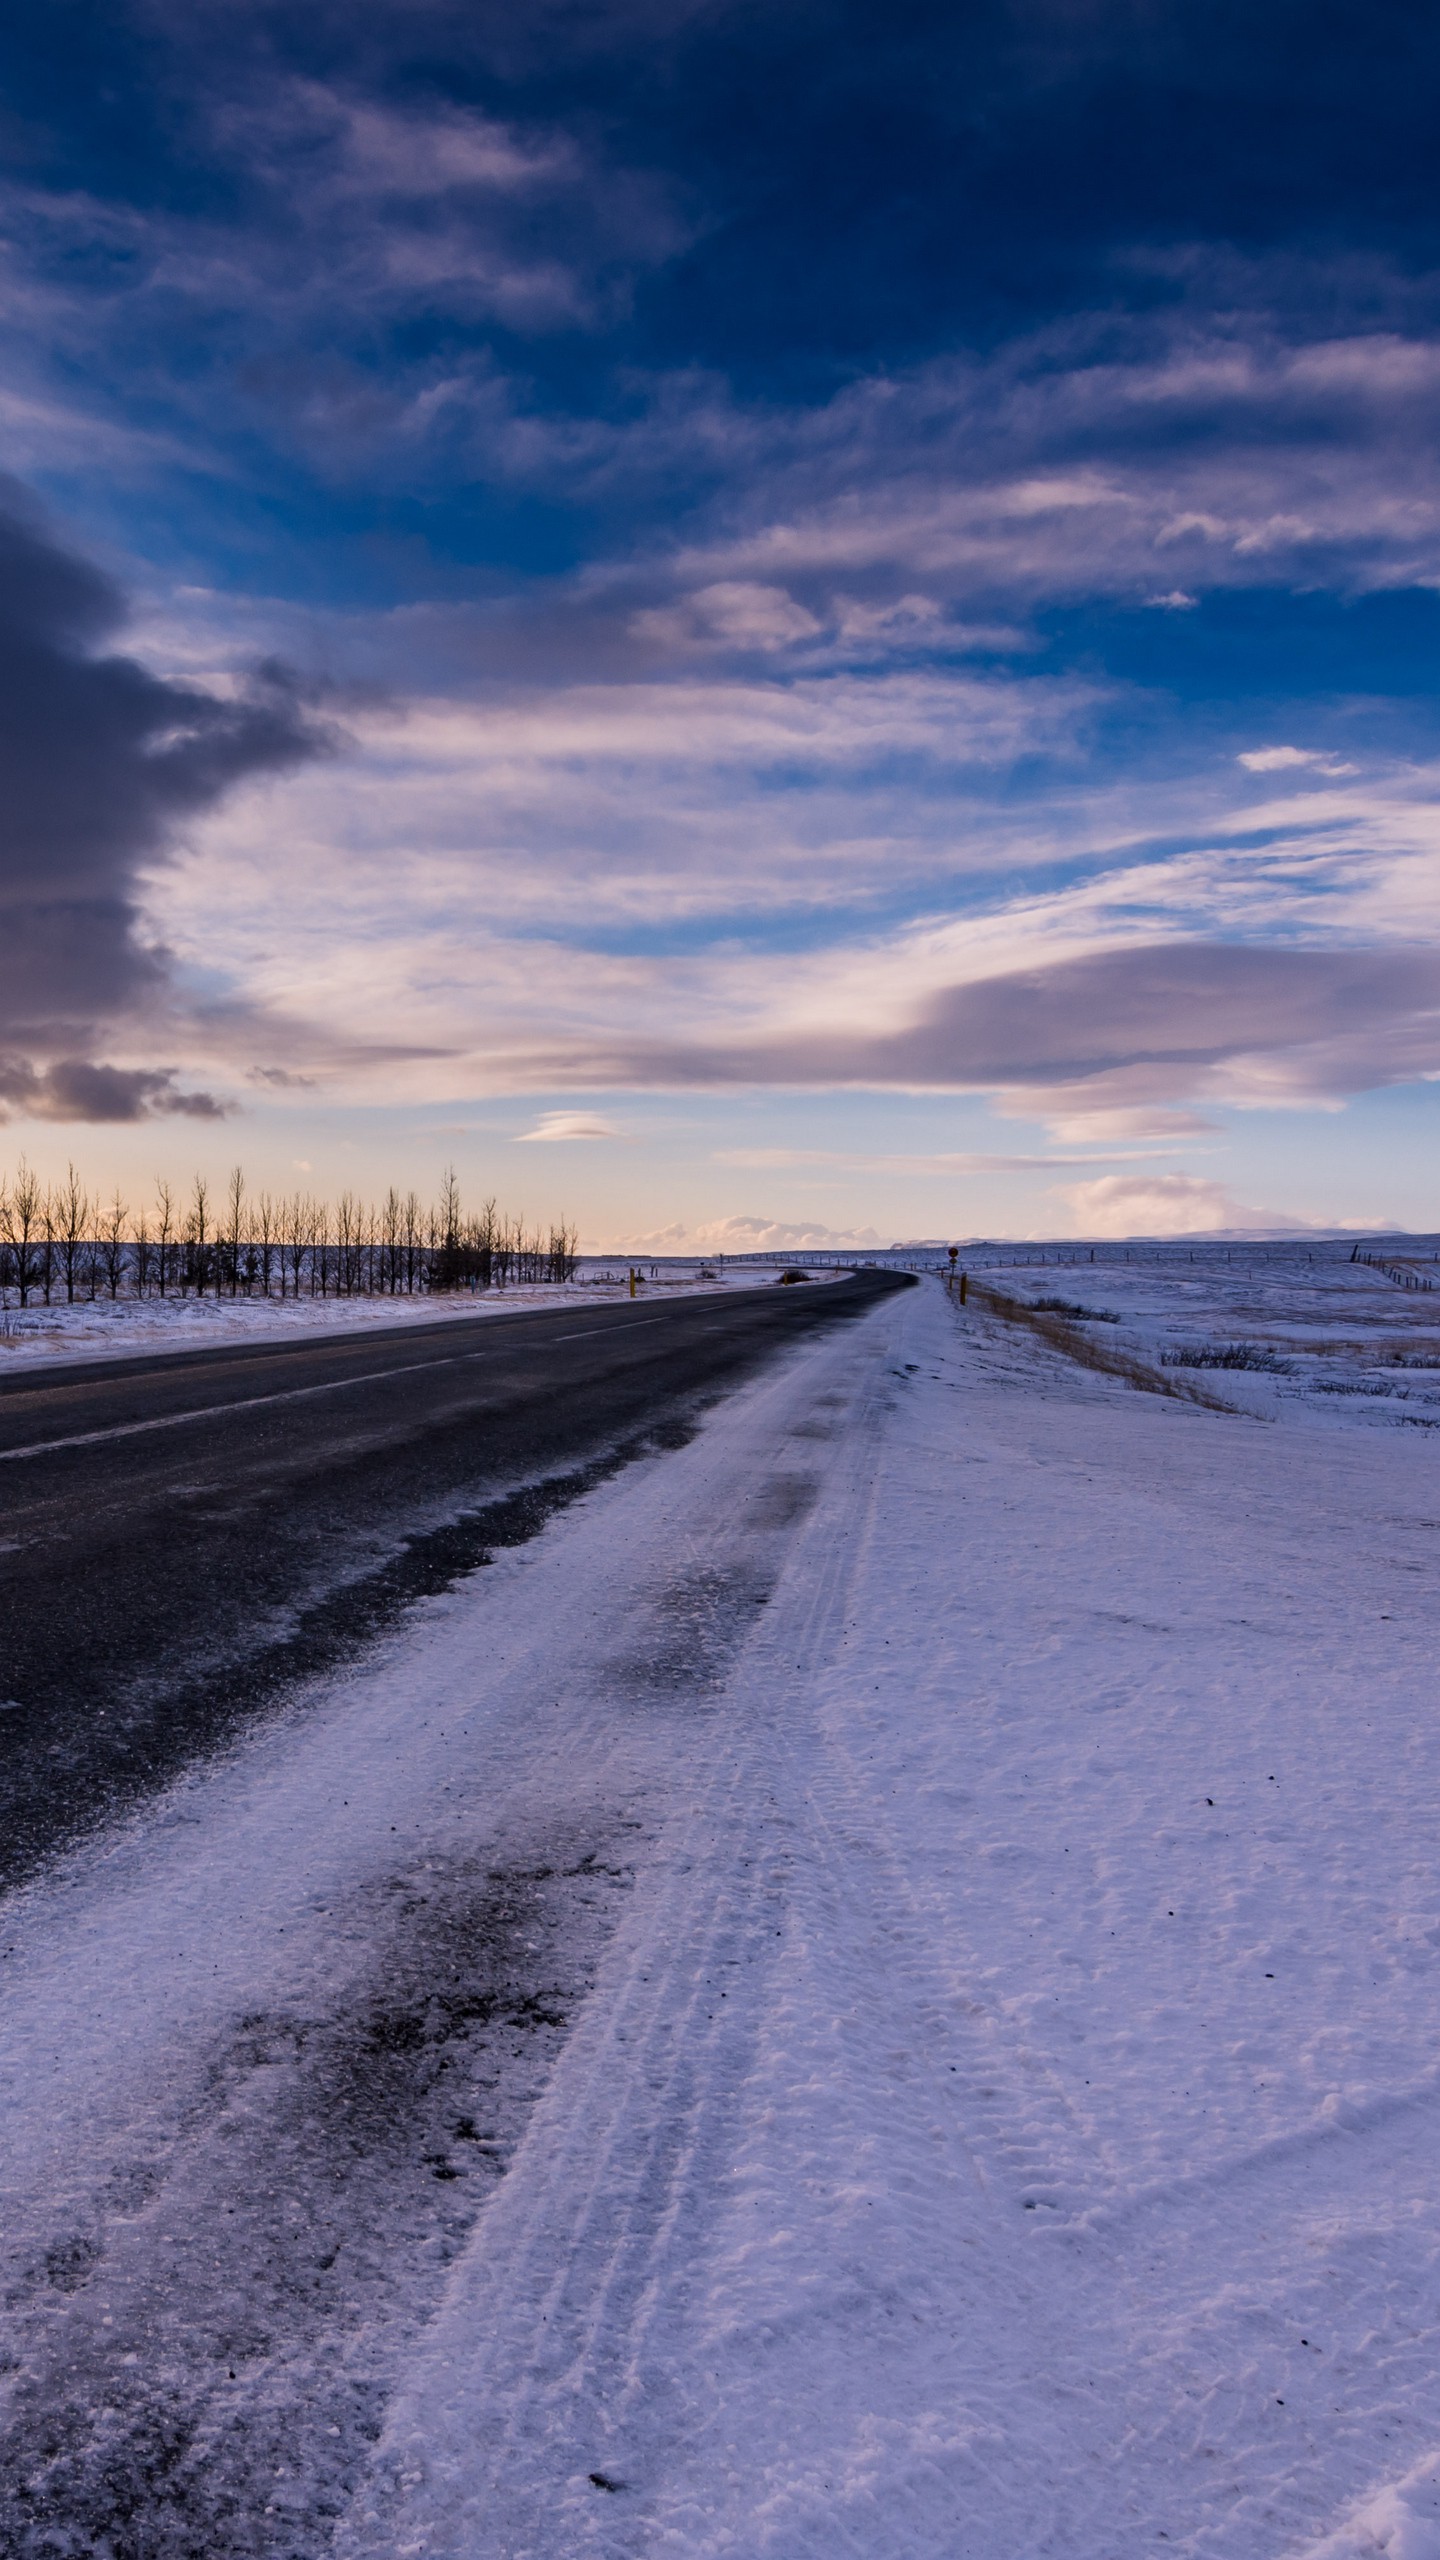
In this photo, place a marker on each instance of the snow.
(1403, 2523)
(965, 1829)
(1326, 1327)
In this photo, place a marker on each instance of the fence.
(1404, 1274)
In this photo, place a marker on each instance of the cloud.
(1275, 759)
(743, 1234)
(1165, 1204)
(1156, 457)
(438, 203)
(1290, 958)
(668, 772)
(78, 1089)
(1135, 1131)
(1121, 1026)
(559, 1128)
(1251, 420)
(940, 1163)
(1288, 759)
(101, 761)
(734, 613)
(538, 885)
(630, 803)
(286, 298)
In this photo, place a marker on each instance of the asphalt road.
(184, 1538)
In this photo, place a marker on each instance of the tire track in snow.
(519, 2422)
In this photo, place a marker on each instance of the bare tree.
(267, 1228)
(23, 1221)
(502, 1252)
(284, 1243)
(389, 1271)
(164, 1230)
(561, 1258)
(486, 1229)
(234, 1232)
(48, 1237)
(298, 1224)
(112, 1242)
(143, 1263)
(347, 1244)
(197, 1231)
(320, 1251)
(71, 1217)
(445, 1259)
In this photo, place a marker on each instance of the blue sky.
(748, 619)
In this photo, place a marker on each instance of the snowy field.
(874, 1993)
(102, 1329)
(1294, 1330)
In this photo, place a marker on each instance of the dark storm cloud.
(100, 761)
(79, 1089)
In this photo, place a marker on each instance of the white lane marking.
(637, 1327)
(281, 1395)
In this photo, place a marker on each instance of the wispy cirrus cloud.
(1056, 469)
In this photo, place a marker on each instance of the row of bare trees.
(56, 1240)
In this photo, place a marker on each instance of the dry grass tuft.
(1107, 1358)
